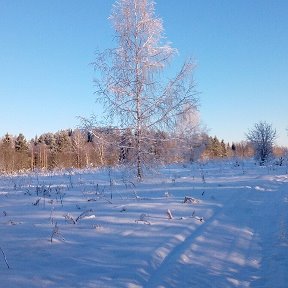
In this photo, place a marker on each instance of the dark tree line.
(81, 148)
(110, 147)
(63, 149)
(214, 148)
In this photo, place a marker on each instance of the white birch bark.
(130, 84)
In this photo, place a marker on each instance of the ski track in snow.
(250, 254)
(242, 242)
(180, 252)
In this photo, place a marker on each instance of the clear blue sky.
(240, 46)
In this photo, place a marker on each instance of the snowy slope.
(97, 229)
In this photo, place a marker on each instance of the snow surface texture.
(202, 225)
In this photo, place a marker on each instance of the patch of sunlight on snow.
(255, 263)
(180, 237)
(184, 258)
(132, 285)
(263, 189)
(237, 258)
(238, 283)
(233, 281)
(89, 217)
(161, 253)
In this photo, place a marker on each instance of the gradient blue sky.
(240, 47)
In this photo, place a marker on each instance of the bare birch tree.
(190, 133)
(77, 145)
(130, 84)
(262, 137)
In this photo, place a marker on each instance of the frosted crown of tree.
(130, 87)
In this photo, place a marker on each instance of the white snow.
(233, 233)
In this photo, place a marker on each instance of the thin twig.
(5, 259)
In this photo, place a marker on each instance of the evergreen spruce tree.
(223, 149)
(22, 159)
(21, 144)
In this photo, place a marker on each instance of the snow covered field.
(96, 229)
